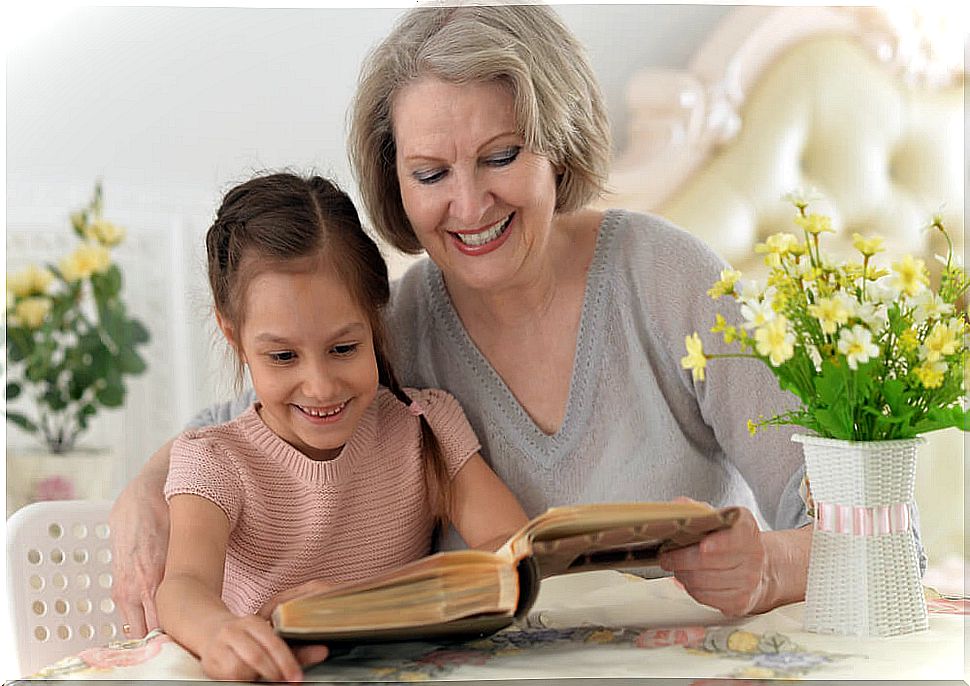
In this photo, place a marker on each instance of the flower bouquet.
(70, 340)
(876, 357)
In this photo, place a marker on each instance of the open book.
(468, 593)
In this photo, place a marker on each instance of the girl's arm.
(190, 606)
(484, 511)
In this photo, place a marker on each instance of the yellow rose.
(88, 259)
(106, 233)
(32, 311)
(32, 280)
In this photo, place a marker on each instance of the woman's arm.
(484, 511)
(139, 538)
(190, 605)
(139, 528)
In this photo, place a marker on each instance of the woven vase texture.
(863, 574)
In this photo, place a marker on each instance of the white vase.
(863, 574)
(37, 474)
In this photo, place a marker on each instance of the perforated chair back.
(59, 580)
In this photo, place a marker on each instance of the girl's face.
(310, 352)
(480, 203)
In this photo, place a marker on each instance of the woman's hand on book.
(246, 648)
(735, 570)
(139, 523)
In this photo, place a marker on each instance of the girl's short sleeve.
(200, 466)
(455, 435)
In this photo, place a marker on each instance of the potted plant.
(70, 345)
(876, 357)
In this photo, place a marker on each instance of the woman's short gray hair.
(559, 109)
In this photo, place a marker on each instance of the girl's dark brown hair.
(285, 222)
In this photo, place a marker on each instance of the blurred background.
(169, 107)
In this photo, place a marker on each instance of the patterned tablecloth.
(602, 624)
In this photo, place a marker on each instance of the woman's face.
(480, 203)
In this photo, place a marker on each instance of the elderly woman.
(479, 136)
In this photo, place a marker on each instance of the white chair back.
(59, 580)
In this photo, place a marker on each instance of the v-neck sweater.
(636, 426)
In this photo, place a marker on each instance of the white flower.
(800, 197)
(815, 356)
(882, 291)
(749, 290)
(929, 305)
(757, 314)
(873, 315)
(857, 346)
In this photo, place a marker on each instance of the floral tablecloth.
(601, 624)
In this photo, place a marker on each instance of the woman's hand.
(245, 649)
(139, 523)
(743, 570)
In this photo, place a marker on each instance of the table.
(603, 624)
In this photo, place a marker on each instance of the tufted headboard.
(867, 107)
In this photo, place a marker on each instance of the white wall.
(171, 105)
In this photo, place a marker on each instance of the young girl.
(335, 472)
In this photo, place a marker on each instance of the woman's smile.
(483, 240)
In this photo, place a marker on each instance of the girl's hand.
(245, 649)
(743, 570)
(139, 523)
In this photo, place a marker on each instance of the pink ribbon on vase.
(858, 520)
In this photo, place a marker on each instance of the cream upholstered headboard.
(857, 103)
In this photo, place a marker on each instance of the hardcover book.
(471, 593)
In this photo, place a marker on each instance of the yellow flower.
(867, 246)
(721, 326)
(910, 275)
(105, 232)
(815, 224)
(695, 359)
(942, 340)
(725, 286)
(752, 427)
(907, 341)
(857, 346)
(775, 341)
(831, 313)
(32, 311)
(778, 244)
(931, 374)
(88, 259)
(32, 280)
(743, 642)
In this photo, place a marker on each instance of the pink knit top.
(293, 519)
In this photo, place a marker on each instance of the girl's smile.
(310, 353)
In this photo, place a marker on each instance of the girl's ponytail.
(435, 470)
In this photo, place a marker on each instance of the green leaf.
(136, 332)
(130, 362)
(21, 421)
(13, 390)
(20, 344)
(108, 284)
(112, 394)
